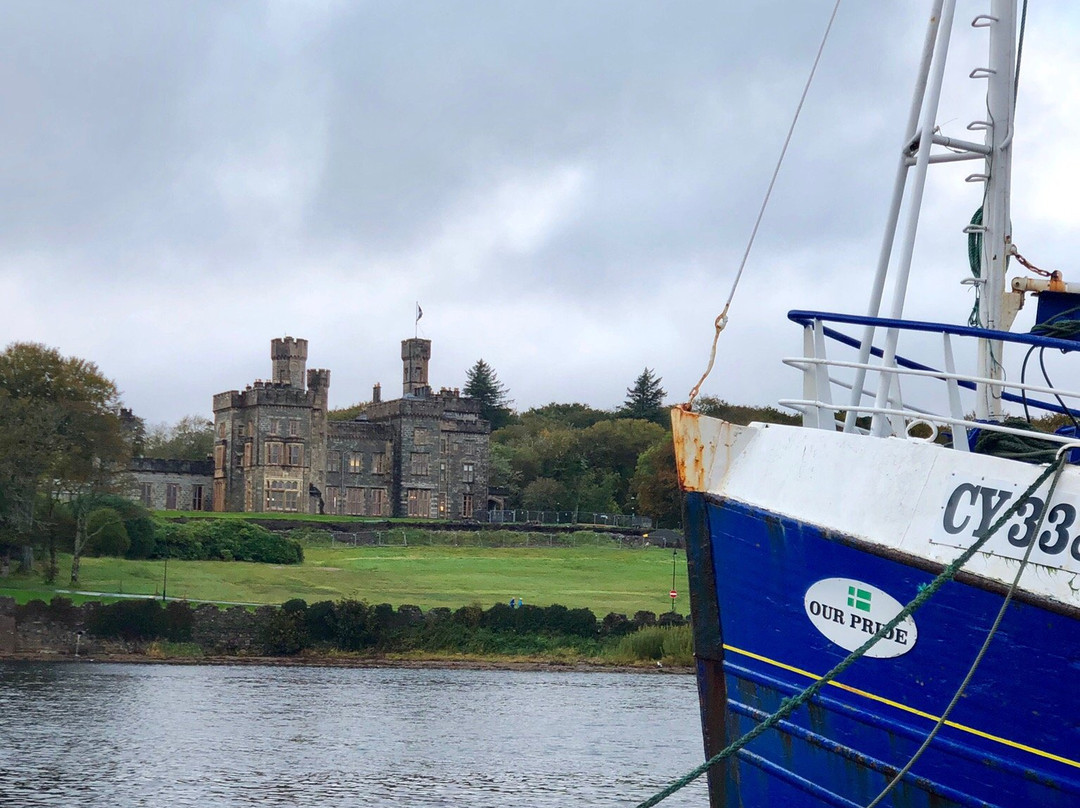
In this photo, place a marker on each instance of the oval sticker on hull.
(850, 612)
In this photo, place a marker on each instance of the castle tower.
(415, 354)
(289, 357)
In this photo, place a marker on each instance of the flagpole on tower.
(416, 325)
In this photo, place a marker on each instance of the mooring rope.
(722, 318)
(790, 705)
(985, 646)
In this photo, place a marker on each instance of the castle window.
(333, 461)
(219, 456)
(247, 454)
(378, 463)
(334, 501)
(419, 500)
(276, 426)
(172, 494)
(356, 462)
(146, 494)
(468, 473)
(274, 450)
(221, 430)
(294, 427)
(421, 436)
(219, 495)
(444, 445)
(354, 501)
(419, 464)
(196, 497)
(282, 495)
(379, 502)
(467, 506)
(296, 454)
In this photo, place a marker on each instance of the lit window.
(356, 462)
(419, 501)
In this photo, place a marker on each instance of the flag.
(419, 312)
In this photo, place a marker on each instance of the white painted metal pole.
(998, 235)
(894, 212)
(880, 424)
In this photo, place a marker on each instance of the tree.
(645, 399)
(656, 485)
(190, 438)
(60, 418)
(482, 384)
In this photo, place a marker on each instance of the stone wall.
(58, 627)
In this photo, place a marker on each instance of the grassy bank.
(600, 577)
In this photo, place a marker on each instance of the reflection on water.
(130, 735)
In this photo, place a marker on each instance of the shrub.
(129, 620)
(179, 621)
(320, 620)
(353, 630)
(279, 633)
(106, 532)
(616, 625)
(225, 540)
(678, 645)
(294, 606)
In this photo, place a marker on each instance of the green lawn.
(603, 578)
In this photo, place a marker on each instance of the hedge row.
(351, 625)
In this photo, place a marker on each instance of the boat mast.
(997, 236)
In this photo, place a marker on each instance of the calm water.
(130, 735)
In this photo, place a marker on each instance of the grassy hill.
(599, 575)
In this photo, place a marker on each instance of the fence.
(524, 517)
(486, 538)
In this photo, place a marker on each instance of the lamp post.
(674, 558)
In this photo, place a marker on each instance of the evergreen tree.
(645, 399)
(482, 384)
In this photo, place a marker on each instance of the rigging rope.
(722, 318)
(789, 705)
(982, 651)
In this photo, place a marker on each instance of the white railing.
(894, 415)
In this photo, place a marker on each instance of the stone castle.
(424, 455)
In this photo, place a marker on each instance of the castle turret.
(319, 386)
(415, 354)
(289, 357)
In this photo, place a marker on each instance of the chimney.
(376, 393)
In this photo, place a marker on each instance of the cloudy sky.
(565, 187)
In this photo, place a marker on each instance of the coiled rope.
(790, 705)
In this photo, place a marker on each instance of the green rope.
(790, 705)
(979, 656)
(975, 245)
(1025, 448)
(1063, 325)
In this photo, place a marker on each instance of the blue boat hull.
(1013, 739)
